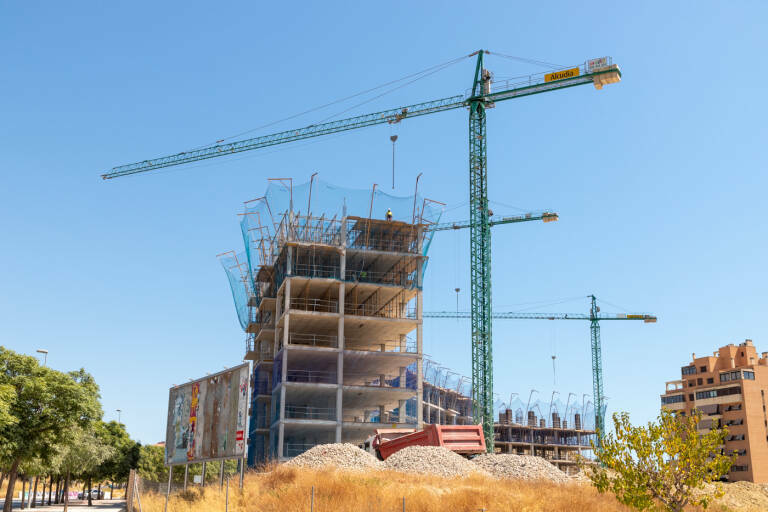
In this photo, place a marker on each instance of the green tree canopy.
(125, 452)
(662, 463)
(46, 407)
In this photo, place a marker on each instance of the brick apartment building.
(729, 387)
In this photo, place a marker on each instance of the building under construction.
(331, 305)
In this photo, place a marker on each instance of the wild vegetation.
(665, 465)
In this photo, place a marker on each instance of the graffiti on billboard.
(207, 418)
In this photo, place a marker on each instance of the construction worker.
(389, 214)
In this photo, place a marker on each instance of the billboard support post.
(168, 492)
(221, 473)
(202, 482)
(242, 471)
(226, 504)
(186, 475)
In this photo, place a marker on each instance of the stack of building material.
(434, 460)
(519, 467)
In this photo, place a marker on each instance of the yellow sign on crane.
(559, 75)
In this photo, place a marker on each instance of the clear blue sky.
(659, 180)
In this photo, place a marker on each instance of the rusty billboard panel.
(208, 418)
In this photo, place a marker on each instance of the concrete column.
(420, 351)
(382, 411)
(401, 411)
(403, 343)
(340, 360)
(289, 262)
(286, 322)
(340, 332)
(281, 424)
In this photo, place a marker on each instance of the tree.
(126, 452)
(46, 406)
(81, 456)
(6, 399)
(661, 463)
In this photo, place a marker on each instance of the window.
(710, 380)
(738, 421)
(734, 407)
(699, 382)
(703, 369)
(736, 437)
(688, 370)
(714, 393)
(691, 383)
(675, 399)
(739, 468)
(690, 397)
(743, 451)
(736, 375)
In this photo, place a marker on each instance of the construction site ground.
(344, 478)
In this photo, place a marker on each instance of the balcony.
(373, 381)
(311, 376)
(313, 340)
(316, 271)
(389, 310)
(307, 412)
(392, 278)
(314, 305)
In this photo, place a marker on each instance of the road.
(76, 505)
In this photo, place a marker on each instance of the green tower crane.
(599, 72)
(594, 317)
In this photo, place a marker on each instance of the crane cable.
(430, 70)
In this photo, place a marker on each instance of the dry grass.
(288, 489)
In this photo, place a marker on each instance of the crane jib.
(389, 116)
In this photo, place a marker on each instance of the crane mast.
(480, 256)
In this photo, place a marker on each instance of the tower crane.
(593, 317)
(599, 72)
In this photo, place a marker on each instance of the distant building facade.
(729, 388)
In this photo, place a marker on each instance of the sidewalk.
(78, 505)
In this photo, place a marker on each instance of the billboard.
(207, 418)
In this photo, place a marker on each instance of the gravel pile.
(520, 467)
(341, 455)
(434, 460)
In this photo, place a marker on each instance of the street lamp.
(118, 416)
(45, 355)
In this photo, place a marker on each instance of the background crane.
(594, 317)
(599, 72)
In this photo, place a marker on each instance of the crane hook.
(393, 138)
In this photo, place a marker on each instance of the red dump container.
(462, 439)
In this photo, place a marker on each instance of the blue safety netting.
(261, 217)
(240, 282)
(328, 204)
